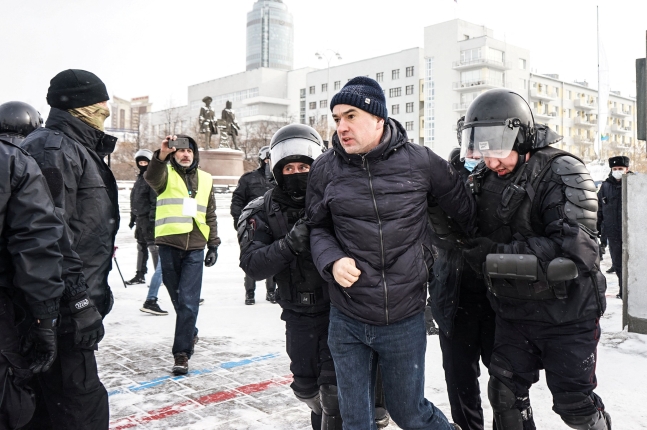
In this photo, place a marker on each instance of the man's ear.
(379, 123)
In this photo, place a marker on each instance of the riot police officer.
(251, 186)
(31, 263)
(275, 241)
(538, 254)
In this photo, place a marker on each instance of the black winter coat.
(85, 195)
(373, 209)
(610, 209)
(531, 232)
(30, 232)
(268, 256)
(250, 186)
(143, 199)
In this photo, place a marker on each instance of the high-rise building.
(270, 36)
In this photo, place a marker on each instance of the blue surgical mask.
(470, 163)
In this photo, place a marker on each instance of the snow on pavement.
(239, 375)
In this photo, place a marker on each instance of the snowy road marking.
(188, 405)
(157, 381)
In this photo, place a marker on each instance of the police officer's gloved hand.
(603, 250)
(235, 223)
(87, 321)
(476, 250)
(132, 221)
(212, 256)
(430, 325)
(298, 239)
(41, 341)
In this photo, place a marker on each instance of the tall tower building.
(270, 36)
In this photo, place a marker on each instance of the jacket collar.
(74, 128)
(394, 137)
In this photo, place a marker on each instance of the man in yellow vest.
(185, 221)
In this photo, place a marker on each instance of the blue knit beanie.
(363, 93)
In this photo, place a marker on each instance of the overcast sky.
(158, 48)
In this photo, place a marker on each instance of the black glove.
(235, 223)
(212, 256)
(41, 337)
(88, 323)
(132, 221)
(603, 250)
(429, 322)
(298, 239)
(476, 250)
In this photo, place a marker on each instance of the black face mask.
(142, 169)
(295, 185)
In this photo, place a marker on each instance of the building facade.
(270, 36)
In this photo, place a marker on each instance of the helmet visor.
(494, 139)
(294, 148)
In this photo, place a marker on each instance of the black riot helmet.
(263, 154)
(293, 143)
(19, 118)
(496, 123)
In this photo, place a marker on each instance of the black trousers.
(70, 396)
(472, 341)
(567, 353)
(250, 284)
(145, 236)
(615, 249)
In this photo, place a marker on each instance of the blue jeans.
(182, 272)
(156, 281)
(399, 349)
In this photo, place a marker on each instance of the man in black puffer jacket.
(70, 151)
(367, 204)
(610, 213)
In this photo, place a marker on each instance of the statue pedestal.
(225, 165)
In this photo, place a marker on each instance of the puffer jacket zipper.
(379, 222)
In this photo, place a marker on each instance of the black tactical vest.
(300, 284)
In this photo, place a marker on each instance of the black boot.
(249, 298)
(151, 307)
(138, 279)
(270, 296)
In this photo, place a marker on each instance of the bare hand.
(165, 150)
(345, 272)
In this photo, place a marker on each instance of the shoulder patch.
(54, 139)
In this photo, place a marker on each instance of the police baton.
(114, 257)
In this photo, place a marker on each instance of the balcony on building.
(582, 104)
(620, 129)
(479, 84)
(543, 115)
(619, 112)
(583, 140)
(584, 122)
(481, 62)
(460, 107)
(542, 94)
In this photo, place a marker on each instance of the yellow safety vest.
(169, 216)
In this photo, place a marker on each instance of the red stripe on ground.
(178, 408)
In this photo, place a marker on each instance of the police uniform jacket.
(70, 154)
(610, 208)
(250, 186)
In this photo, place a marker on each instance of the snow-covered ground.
(239, 375)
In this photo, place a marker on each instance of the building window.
(337, 85)
(409, 89)
(409, 71)
(324, 88)
(410, 107)
(496, 55)
(408, 125)
(395, 74)
(428, 123)
(470, 55)
(323, 103)
(395, 92)
(313, 105)
(395, 109)
(311, 120)
(302, 93)
(522, 64)
(379, 76)
(324, 119)
(312, 89)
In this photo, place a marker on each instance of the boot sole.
(180, 371)
(148, 311)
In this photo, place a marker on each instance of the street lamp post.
(328, 55)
